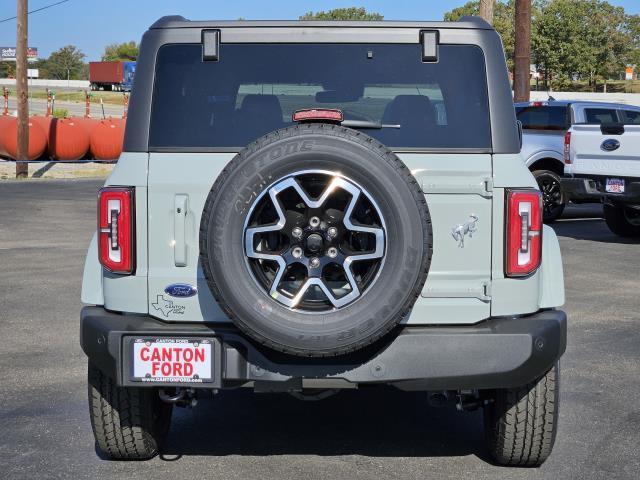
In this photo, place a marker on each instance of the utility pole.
(522, 64)
(22, 169)
(486, 10)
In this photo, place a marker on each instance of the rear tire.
(521, 424)
(554, 199)
(618, 221)
(128, 423)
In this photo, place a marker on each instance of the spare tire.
(316, 240)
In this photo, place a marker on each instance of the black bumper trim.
(580, 189)
(632, 188)
(496, 353)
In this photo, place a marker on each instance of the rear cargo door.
(425, 111)
(606, 153)
(459, 194)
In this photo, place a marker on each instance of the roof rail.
(479, 21)
(161, 22)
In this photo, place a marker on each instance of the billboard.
(9, 54)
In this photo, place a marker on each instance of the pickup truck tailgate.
(596, 153)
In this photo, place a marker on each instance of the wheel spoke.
(314, 240)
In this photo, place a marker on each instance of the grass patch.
(76, 96)
(60, 113)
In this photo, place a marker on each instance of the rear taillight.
(567, 148)
(524, 232)
(116, 242)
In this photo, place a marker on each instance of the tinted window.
(543, 118)
(600, 115)
(632, 117)
(254, 88)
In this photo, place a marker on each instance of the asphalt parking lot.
(45, 227)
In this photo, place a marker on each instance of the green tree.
(503, 22)
(584, 38)
(66, 63)
(633, 27)
(590, 39)
(351, 13)
(7, 70)
(125, 52)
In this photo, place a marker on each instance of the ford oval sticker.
(181, 290)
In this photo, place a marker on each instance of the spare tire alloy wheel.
(314, 243)
(316, 240)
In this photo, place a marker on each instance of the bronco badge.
(467, 228)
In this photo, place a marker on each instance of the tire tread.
(521, 425)
(124, 420)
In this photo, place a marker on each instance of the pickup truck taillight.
(567, 148)
(116, 243)
(524, 232)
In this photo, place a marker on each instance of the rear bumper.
(581, 189)
(630, 195)
(496, 353)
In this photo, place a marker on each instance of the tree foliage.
(586, 38)
(351, 13)
(589, 39)
(125, 52)
(503, 21)
(64, 63)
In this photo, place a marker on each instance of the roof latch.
(210, 45)
(429, 40)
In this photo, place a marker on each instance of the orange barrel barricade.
(5, 120)
(37, 140)
(88, 123)
(107, 138)
(45, 123)
(68, 139)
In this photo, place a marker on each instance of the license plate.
(172, 360)
(614, 185)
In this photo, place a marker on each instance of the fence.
(43, 82)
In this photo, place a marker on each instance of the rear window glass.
(600, 115)
(543, 117)
(255, 88)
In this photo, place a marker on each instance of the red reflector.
(567, 148)
(524, 232)
(537, 104)
(318, 114)
(116, 229)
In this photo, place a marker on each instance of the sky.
(92, 24)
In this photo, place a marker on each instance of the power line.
(36, 10)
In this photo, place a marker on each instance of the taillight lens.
(567, 148)
(116, 241)
(524, 232)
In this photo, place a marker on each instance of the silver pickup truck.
(544, 128)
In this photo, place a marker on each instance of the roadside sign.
(628, 75)
(8, 54)
(33, 73)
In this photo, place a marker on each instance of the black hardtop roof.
(177, 21)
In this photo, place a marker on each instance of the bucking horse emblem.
(463, 229)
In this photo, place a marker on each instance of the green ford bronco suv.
(304, 207)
